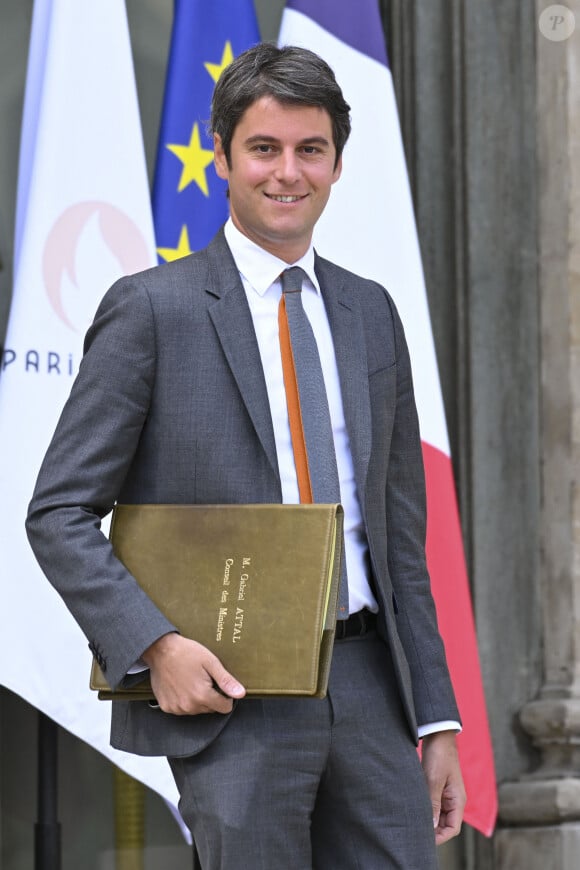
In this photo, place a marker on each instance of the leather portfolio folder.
(257, 584)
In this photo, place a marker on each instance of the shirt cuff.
(434, 727)
(137, 668)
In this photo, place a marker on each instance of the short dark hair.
(290, 75)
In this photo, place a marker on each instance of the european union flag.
(189, 200)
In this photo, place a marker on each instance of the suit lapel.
(344, 316)
(232, 320)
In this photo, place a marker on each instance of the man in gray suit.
(180, 399)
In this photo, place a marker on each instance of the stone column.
(541, 811)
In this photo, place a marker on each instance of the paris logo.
(89, 246)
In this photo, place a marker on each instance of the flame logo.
(89, 246)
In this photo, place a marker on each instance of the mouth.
(284, 198)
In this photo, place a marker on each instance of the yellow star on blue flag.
(182, 249)
(216, 69)
(189, 200)
(195, 160)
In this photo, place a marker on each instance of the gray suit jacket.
(170, 406)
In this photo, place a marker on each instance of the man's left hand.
(441, 766)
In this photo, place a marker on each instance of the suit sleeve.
(416, 618)
(82, 474)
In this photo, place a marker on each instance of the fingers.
(191, 697)
(225, 683)
(188, 680)
(450, 815)
(445, 783)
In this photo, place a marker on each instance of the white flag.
(83, 220)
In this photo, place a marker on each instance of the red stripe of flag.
(452, 598)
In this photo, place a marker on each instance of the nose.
(287, 167)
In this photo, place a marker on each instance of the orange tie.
(294, 410)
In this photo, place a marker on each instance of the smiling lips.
(285, 198)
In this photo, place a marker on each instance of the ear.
(337, 170)
(219, 157)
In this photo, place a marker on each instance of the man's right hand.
(188, 679)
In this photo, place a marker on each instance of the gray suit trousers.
(308, 784)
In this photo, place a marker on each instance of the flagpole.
(47, 853)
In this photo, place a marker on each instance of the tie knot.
(292, 279)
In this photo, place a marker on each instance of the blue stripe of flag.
(363, 30)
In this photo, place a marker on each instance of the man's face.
(282, 169)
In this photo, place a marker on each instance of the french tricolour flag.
(369, 227)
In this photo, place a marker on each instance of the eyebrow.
(310, 140)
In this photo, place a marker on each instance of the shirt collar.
(260, 268)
